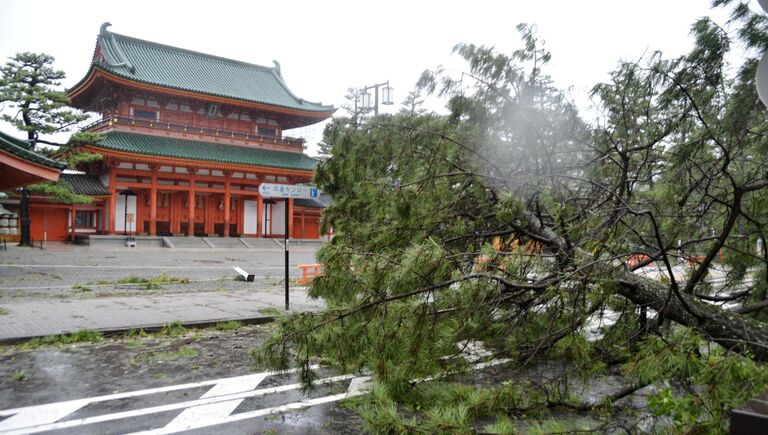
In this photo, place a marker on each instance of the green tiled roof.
(162, 65)
(83, 184)
(21, 148)
(205, 151)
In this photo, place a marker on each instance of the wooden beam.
(302, 175)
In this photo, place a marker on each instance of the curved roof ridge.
(22, 148)
(166, 66)
(279, 78)
(171, 48)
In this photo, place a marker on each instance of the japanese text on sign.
(273, 190)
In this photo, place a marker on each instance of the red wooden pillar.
(174, 203)
(112, 199)
(240, 215)
(72, 223)
(191, 203)
(153, 203)
(209, 212)
(303, 224)
(290, 217)
(227, 206)
(259, 214)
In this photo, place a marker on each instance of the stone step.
(226, 242)
(187, 242)
(260, 243)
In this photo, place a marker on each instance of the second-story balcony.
(151, 126)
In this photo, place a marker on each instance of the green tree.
(514, 223)
(28, 85)
(413, 103)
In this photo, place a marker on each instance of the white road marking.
(35, 428)
(129, 394)
(124, 285)
(295, 406)
(190, 416)
(361, 383)
(117, 266)
(44, 414)
(214, 408)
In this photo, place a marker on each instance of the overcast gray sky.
(325, 47)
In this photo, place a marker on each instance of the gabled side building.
(188, 138)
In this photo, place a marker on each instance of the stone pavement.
(50, 316)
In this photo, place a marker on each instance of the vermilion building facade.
(188, 138)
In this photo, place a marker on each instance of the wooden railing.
(112, 121)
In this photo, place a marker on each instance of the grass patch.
(168, 355)
(137, 333)
(4, 311)
(146, 283)
(19, 376)
(231, 325)
(175, 329)
(81, 336)
(271, 311)
(81, 288)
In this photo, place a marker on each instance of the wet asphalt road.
(57, 373)
(60, 373)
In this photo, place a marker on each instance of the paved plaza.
(64, 288)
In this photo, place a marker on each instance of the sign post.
(287, 191)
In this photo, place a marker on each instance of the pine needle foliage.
(585, 248)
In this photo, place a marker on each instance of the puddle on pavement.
(84, 370)
(78, 371)
(51, 374)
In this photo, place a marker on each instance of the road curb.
(111, 332)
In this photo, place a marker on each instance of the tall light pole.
(387, 96)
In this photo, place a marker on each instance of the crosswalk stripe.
(41, 415)
(36, 428)
(137, 393)
(191, 416)
(295, 406)
(215, 407)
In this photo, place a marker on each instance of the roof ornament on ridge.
(208, 77)
(114, 48)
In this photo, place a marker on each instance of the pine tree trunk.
(734, 331)
(26, 236)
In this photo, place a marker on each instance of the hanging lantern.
(387, 95)
(365, 100)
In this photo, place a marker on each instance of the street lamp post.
(387, 96)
